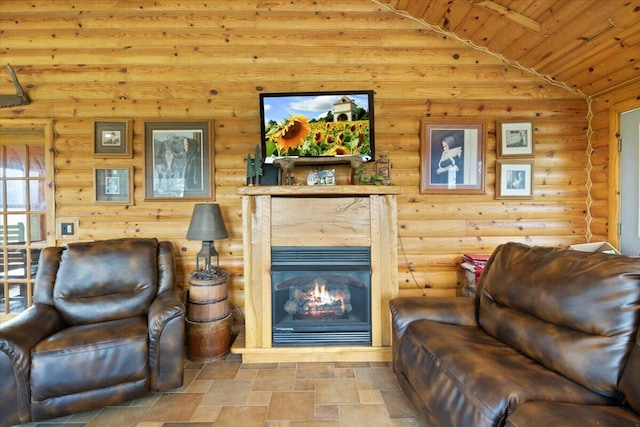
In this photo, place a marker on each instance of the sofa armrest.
(453, 310)
(166, 341)
(17, 338)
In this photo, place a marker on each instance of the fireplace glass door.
(321, 296)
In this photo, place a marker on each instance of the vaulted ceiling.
(592, 46)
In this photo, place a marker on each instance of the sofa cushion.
(462, 376)
(90, 357)
(106, 280)
(630, 382)
(574, 312)
(536, 414)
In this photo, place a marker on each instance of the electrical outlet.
(67, 228)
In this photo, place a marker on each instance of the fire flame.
(318, 300)
(320, 296)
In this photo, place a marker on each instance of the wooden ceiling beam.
(510, 14)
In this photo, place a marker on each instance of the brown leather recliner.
(106, 326)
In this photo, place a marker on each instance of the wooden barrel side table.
(208, 319)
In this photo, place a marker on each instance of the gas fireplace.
(321, 295)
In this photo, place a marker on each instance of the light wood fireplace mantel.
(345, 215)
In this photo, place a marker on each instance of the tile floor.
(228, 393)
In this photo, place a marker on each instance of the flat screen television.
(316, 124)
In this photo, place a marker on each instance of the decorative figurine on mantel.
(254, 167)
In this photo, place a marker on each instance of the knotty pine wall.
(605, 159)
(151, 60)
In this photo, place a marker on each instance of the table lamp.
(207, 225)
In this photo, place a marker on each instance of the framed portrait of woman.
(452, 157)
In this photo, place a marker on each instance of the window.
(24, 223)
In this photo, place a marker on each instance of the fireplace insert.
(321, 295)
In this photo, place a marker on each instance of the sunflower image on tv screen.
(328, 133)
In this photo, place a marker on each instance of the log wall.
(157, 60)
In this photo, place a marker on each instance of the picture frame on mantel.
(113, 185)
(112, 138)
(515, 139)
(452, 156)
(514, 179)
(178, 160)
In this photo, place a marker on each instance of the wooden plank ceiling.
(592, 46)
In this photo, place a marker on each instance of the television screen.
(315, 124)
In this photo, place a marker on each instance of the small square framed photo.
(112, 139)
(113, 185)
(515, 139)
(514, 179)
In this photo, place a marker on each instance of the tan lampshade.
(207, 223)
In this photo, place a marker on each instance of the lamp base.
(214, 274)
(203, 258)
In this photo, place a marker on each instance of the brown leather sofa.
(551, 339)
(106, 326)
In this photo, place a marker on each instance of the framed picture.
(452, 157)
(112, 139)
(514, 179)
(113, 185)
(515, 139)
(178, 160)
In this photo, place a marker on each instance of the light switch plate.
(66, 229)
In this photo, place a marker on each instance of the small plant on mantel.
(365, 176)
(254, 167)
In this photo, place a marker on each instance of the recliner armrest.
(453, 310)
(166, 341)
(20, 334)
(165, 307)
(17, 337)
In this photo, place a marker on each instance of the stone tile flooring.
(226, 392)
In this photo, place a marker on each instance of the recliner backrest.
(101, 280)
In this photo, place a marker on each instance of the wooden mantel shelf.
(317, 190)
